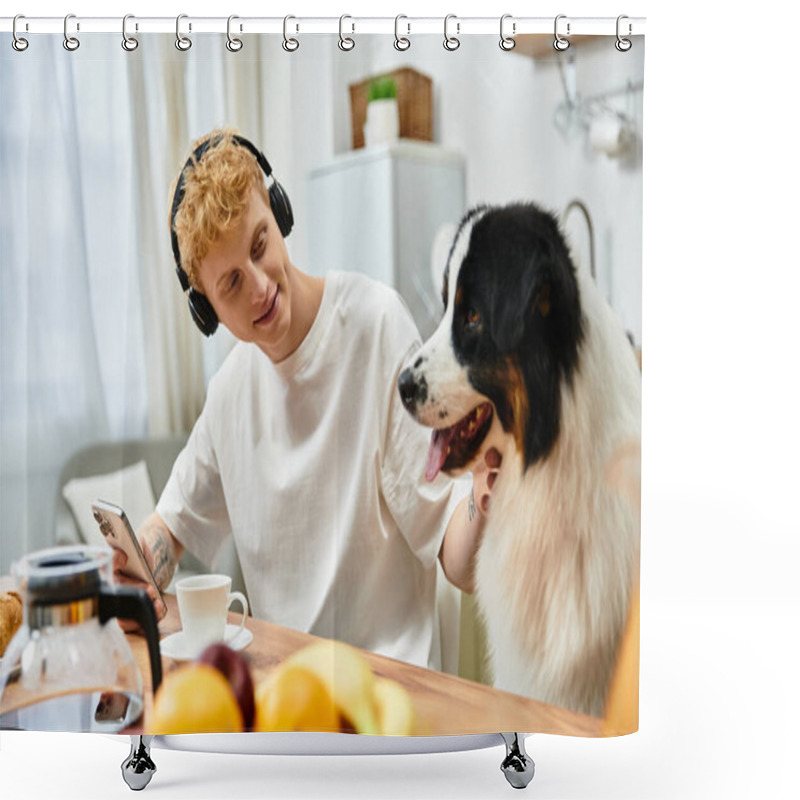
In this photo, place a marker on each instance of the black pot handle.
(130, 602)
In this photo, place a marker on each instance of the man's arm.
(460, 546)
(465, 530)
(161, 551)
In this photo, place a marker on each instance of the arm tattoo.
(471, 510)
(163, 556)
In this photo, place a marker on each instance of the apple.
(236, 671)
(394, 707)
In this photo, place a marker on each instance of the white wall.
(498, 109)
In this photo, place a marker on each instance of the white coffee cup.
(203, 602)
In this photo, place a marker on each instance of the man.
(303, 451)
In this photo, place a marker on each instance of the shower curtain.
(440, 195)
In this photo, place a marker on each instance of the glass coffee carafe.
(70, 667)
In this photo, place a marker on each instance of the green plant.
(382, 88)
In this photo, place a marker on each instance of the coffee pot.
(70, 667)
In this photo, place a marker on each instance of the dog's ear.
(541, 299)
(515, 304)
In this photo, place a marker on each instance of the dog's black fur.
(519, 278)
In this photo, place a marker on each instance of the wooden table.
(444, 704)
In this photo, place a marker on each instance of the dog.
(531, 360)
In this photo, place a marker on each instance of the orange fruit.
(196, 698)
(294, 699)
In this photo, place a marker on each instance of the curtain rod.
(349, 25)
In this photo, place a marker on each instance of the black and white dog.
(530, 359)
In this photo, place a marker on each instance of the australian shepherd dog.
(530, 359)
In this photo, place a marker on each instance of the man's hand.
(161, 552)
(483, 478)
(465, 529)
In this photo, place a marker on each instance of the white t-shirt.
(317, 470)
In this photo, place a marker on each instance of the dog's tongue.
(437, 452)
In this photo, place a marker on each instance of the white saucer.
(175, 645)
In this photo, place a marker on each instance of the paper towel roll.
(610, 135)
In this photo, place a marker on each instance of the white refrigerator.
(378, 210)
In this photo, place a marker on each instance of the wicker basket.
(414, 101)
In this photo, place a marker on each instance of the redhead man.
(303, 452)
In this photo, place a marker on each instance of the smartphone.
(118, 533)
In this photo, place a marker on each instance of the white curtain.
(71, 370)
(96, 342)
(159, 143)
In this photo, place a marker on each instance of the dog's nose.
(408, 388)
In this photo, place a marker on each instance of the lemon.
(294, 699)
(196, 698)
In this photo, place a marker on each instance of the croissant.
(10, 617)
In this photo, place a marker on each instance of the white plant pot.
(383, 122)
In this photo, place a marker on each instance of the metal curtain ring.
(233, 44)
(70, 42)
(451, 42)
(507, 42)
(129, 43)
(18, 43)
(183, 43)
(560, 43)
(289, 45)
(401, 42)
(623, 45)
(345, 42)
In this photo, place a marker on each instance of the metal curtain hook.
(451, 42)
(18, 43)
(560, 43)
(345, 42)
(401, 42)
(507, 42)
(183, 43)
(129, 43)
(70, 42)
(623, 45)
(233, 44)
(289, 45)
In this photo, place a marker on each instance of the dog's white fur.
(560, 553)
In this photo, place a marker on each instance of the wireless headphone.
(199, 305)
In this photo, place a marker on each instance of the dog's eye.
(472, 318)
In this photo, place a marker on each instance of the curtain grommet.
(233, 44)
(71, 43)
(183, 43)
(18, 43)
(560, 43)
(401, 43)
(289, 44)
(129, 43)
(507, 42)
(451, 43)
(622, 44)
(346, 43)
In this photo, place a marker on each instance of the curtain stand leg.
(138, 768)
(518, 766)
